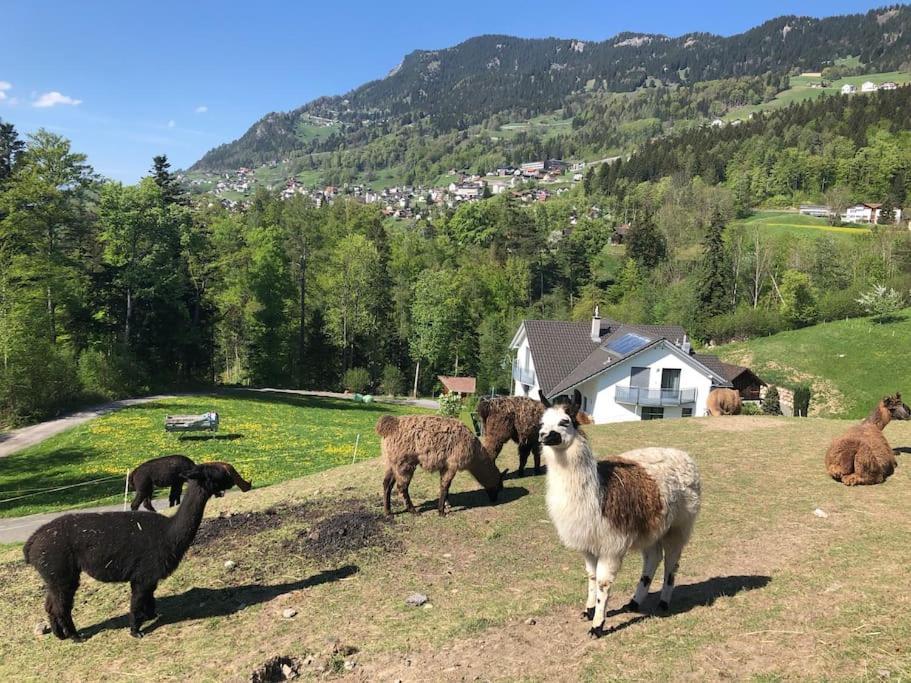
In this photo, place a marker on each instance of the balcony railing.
(655, 397)
(523, 375)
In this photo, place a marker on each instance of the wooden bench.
(207, 422)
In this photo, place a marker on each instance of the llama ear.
(544, 400)
(576, 402)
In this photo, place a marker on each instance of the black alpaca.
(169, 470)
(121, 546)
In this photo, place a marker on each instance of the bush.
(450, 405)
(881, 303)
(771, 403)
(111, 376)
(356, 380)
(750, 409)
(743, 323)
(798, 304)
(393, 381)
(801, 400)
(838, 304)
(40, 383)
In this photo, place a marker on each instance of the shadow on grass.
(902, 449)
(299, 401)
(204, 603)
(466, 500)
(210, 437)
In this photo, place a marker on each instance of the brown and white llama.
(862, 455)
(438, 444)
(646, 499)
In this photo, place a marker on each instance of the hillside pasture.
(794, 224)
(766, 590)
(850, 364)
(268, 437)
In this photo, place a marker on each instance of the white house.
(868, 213)
(848, 89)
(888, 85)
(868, 86)
(624, 372)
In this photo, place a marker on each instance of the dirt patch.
(353, 529)
(277, 669)
(243, 524)
(740, 423)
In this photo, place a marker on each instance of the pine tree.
(712, 288)
(167, 181)
(645, 244)
(10, 149)
(771, 404)
(887, 213)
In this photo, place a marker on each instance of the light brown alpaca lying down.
(862, 455)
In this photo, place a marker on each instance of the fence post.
(126, 488)
(356, 444)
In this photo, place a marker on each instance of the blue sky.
(128, 80)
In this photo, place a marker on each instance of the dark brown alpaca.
(516, 418)
(862, 455)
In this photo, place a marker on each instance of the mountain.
(503, 76)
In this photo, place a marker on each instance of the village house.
(868, 86)
(815, 210)
(848, 89)
(623, 372)
(867, 213)
(888, 85)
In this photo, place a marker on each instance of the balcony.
(654, 397)
(523, 375)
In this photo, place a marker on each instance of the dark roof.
(732, 372)
(564, 354)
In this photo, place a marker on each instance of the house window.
(585, 403)
(650, 413)
(687, 412)
(670, 379)
(527, 357)
(638, 377)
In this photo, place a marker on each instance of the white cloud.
(4, 85)
(172, 123)
(201, 109)
(53, 98)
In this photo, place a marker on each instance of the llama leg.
(608, 566)
(67, 598)
(139, 599)
(536, 452)
(147, 503)
(524, 450)
(174, 496)
(388, 482)
(53, 602)
(651, 558)
(446, 478)
(673, 547)
(137, 500)
(403, 481)
(591, 566)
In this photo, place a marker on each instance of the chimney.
(596, 327)
(686, 346)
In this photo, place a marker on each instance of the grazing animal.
(512, 417)
(723, 402)
(862, 455)
(121, 546)
(438, 444)
(646, 499)
(168, 470)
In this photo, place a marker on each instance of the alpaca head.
(897, 409)
(560, 422)
(217, 477)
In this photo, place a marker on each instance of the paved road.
(17, 439)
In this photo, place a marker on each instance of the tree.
(645, 244)
(881, 303)
(11, 148)
(438, 318)
(714, 283)
(798, 300)
(838, 199)
(167, 182)
(771, 404)
(886, 213)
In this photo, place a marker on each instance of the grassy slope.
(269, 438)
(825, 602)
(851, 363)
(794, 224)
(801, 90)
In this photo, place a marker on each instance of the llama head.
(217, 477)
(560, 421)
(897, 409)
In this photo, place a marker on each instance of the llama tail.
(27, 548)
(387, 425)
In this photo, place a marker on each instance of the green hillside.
(796, 224)
(850, 364)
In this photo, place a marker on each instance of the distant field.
(850, 363)
(801, 90)
(545, 124)
(795, 224)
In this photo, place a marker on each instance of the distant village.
(534, 181)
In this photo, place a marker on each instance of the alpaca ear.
(544, 400)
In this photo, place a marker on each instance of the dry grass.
(766, 590)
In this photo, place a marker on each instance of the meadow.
(268, 437)
(850, 364)
(767, 590)
(791, 223)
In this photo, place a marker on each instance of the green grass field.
(791, 223)
(850, 364)
(766, 590)
(268, 437)
(801, 89)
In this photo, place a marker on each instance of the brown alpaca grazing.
(438, 444)
(723, 402)
(516, 418)
(862, 455)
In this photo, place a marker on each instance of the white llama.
(645, 499)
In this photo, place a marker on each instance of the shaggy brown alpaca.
(438, 444)
(862, 455)
(723, 402)
(512, 417)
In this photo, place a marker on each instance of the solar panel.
(627, 344)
